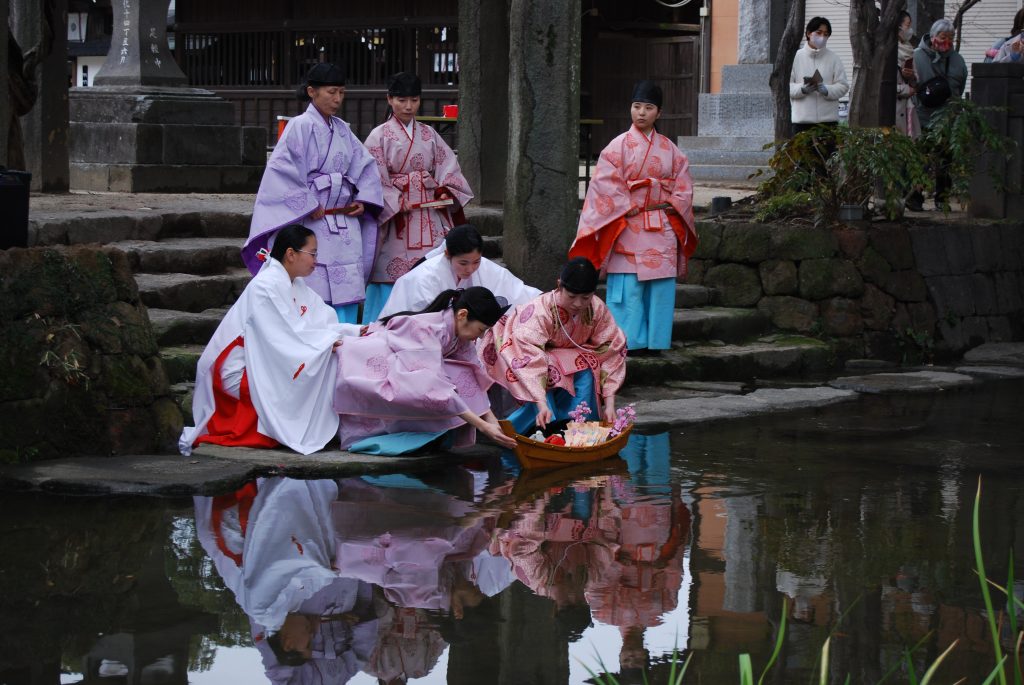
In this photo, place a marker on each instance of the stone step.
(732, 325)
(189, 292)
(182, 394)
(493, 246)
(727, 172)
(768, 357)
(185, 328)
(207, 225)
(687, 296)
(180, 362)
(753, 143)
(489, 220)
(756, 158)
(182, 255)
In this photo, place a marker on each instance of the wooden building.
(256, 55)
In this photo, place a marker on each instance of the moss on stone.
(749, 243)
(796, 242)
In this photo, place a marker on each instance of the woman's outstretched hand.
(493, 431)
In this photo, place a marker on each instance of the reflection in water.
(488, 575)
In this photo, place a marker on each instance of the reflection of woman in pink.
(562, 541)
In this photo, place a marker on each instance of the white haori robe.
(289, 334)
(418, 288)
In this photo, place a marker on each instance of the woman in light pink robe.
(557, 350)
(416, 166)
(637, 224)
(418, 374)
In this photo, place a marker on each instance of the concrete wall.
(725, 24)
(880, 291)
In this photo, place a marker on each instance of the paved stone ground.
(50, 207)
(212, 469)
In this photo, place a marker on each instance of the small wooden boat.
(536, 454)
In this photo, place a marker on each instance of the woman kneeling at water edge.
(554, 352)
(415, 376)
(266, 376)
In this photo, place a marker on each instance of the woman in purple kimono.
(322, 177)
(424, 190)
(414, 377)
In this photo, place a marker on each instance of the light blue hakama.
(560, 402)
(643, 310)
(377, 295)
(347, 313)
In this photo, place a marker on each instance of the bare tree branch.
(958, 20)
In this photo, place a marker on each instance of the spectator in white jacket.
(817, 81)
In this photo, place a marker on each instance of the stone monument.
(5, 103)
(734, 125)
(140, 128)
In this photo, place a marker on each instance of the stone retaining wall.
(888, 291)
(79, 367)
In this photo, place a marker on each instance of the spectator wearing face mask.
(817, 81)
(941, 76)
(935, 57)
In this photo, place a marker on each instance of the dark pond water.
(856, 518)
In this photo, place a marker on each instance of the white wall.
(86, 69)
(984, 24)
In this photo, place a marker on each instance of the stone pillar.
(754, 33)
(483, 102)
(542, 184)
(140, 129)
(5, 102)
(138, 47)
(41, 24)
(996, 188)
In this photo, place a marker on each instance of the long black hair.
(479, 302)
(292, 236)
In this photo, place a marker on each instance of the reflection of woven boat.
(536, 454)
(534, 484)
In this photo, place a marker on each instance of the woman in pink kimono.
(413, 377)
(322, 177)
(558, 350)
(637, 224)
(424, 190)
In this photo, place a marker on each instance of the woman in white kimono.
(267, 375)
(459, 263)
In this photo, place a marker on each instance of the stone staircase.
(188, 278)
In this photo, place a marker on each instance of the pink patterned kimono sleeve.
(447, 172)
(392, 196)
(513, 350)
(609, 344)
(604, 208)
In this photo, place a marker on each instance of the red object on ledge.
(450, 111)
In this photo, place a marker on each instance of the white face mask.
(818, 40)
(906, 34)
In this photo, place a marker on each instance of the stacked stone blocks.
(876, 289)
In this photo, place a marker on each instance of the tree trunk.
(873, 38)
(791, 40)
